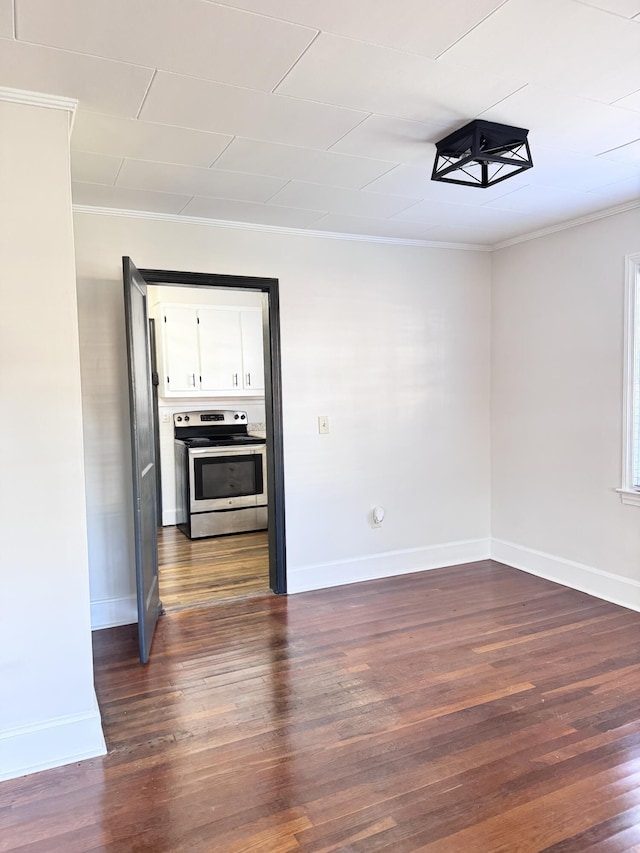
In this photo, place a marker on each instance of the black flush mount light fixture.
(482, 153)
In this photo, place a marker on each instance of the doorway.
(275, 536)
(208, 368)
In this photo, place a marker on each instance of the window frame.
(629, 492)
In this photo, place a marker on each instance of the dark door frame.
(272, 398)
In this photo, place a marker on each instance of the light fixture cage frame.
(495, 151)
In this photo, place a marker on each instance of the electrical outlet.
(323, 424)
(166, 417)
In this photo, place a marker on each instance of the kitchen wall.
(168, 406)
(390, 341)
(557, 357)
(48, 711)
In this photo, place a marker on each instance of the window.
(630, 491)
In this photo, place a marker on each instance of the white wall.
(390, 341)
(557, 356)
(48, 714)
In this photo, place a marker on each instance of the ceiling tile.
(143, 140)
(99, 195)
(337, 200)
(368, 226)
(567, 45)
(468, 234)
(200, 104)
(94, 168)
(169, 178)
(304, 164)
(631, 102)
(626, 8)
(557, 120)
(441, 213)
(417, 26)
(99, 84)
(619, 192)
(376, 79)
(6, 19)
(394, 139)
(558, 204)
(185, 36)
(618, 81)
(569, 170)
(625, 154)
(245, 211)
(416, 182)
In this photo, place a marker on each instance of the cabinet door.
(220, 349)
(180, 341)
(252, 352)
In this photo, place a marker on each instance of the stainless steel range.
(221, 474)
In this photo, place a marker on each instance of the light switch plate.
(323, 424)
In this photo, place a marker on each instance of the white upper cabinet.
(220, 349)
(179, 332)
(207, 351)
(252, 350)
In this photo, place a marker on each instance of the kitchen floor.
(194, 572)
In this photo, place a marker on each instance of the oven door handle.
(227, 450)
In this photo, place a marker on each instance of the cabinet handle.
(193, 379)
(235, 380)
(248, 380)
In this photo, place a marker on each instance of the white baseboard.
(63, 740)
(169, 517)
(323, 575)
(601, 584)
(111, 612)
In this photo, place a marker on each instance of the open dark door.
(156, 426)
(143, 455)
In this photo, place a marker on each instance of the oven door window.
(228, 476)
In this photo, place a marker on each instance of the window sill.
(629, 496)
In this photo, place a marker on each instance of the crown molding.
(570, 223)
(360, 238)
(274, 229)
(40, 99)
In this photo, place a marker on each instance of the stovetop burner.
(223, 441)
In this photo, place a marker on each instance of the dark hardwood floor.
(195, 572)
(475, 708)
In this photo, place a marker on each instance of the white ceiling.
(322, 114)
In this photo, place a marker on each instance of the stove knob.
(236, 416)
(242, 417)
(186, 418)
(178, 418)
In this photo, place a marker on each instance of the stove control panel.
(214, 418)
